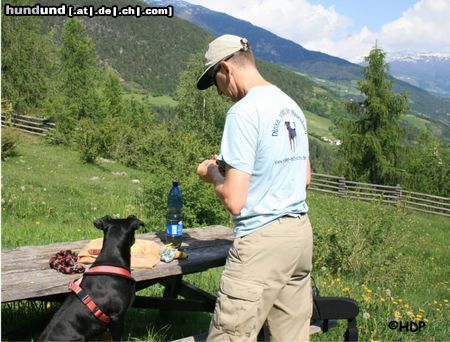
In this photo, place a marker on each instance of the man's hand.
(209, 172)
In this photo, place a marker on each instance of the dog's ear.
(101, 222)
(135, 222)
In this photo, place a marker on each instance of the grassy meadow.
(394, 263)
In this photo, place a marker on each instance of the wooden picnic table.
(26, 275)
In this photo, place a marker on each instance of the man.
(261, 177)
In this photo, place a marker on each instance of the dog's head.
(119, 227)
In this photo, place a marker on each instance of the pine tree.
(200, 111)
(27, 62)
(371, 139)
(80, 73)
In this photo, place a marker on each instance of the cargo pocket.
(238, 307)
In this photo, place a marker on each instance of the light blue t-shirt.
(265, 135)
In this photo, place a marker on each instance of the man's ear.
(101, 222)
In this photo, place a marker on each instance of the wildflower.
(410, 313)
(381, 299)
(366, 315)
(38, 222)
(446, 300)
(425, 320)
(435, 302)
(345, 289)
(397, 314)
(419, 317)
(421, 310)
(394, 302)
(369, 290)
(366, 298)
(406, 306)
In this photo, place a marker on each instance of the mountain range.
(339, 74)
(429, 71)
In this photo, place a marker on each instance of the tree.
(371, 138)
(79, 85)
(27, 61)
(200, 111)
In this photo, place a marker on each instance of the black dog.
(111, 294)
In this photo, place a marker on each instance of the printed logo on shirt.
(292, 134)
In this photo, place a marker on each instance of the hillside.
(148, 52)
(376, 248)
(275, 49)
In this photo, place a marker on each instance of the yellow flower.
(394, 302)
(435, 302)
(381, 299)
(425, 320)
(410, 313)
(419, 317)
(446, 300)
(406, 306)
(397, 314)
(366, 298)
(38, 222)
(345, 289)
(400, 301)
(421, 310)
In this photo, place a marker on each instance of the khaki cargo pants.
(267, 276)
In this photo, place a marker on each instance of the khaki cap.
(218, 50)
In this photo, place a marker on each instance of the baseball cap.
(218, 50)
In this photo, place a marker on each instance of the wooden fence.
(29, 124)
(395, 195)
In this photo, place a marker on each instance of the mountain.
(265, 44)
(147, 52)
(429, 71)
(150, 52)
(338, 74)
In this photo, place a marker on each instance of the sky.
(349, 28)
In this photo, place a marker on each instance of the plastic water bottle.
(174, 228)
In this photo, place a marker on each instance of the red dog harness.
(87, 300)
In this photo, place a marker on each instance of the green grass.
(389, 260)
(318, 124)
(52, 196)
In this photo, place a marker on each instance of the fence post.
(399, 195)
(342, 187)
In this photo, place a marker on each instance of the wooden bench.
(26, 275)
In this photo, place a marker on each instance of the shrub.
(9, 143)
(86, 136)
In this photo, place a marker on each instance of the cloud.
(424, 27)
(297, 20)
